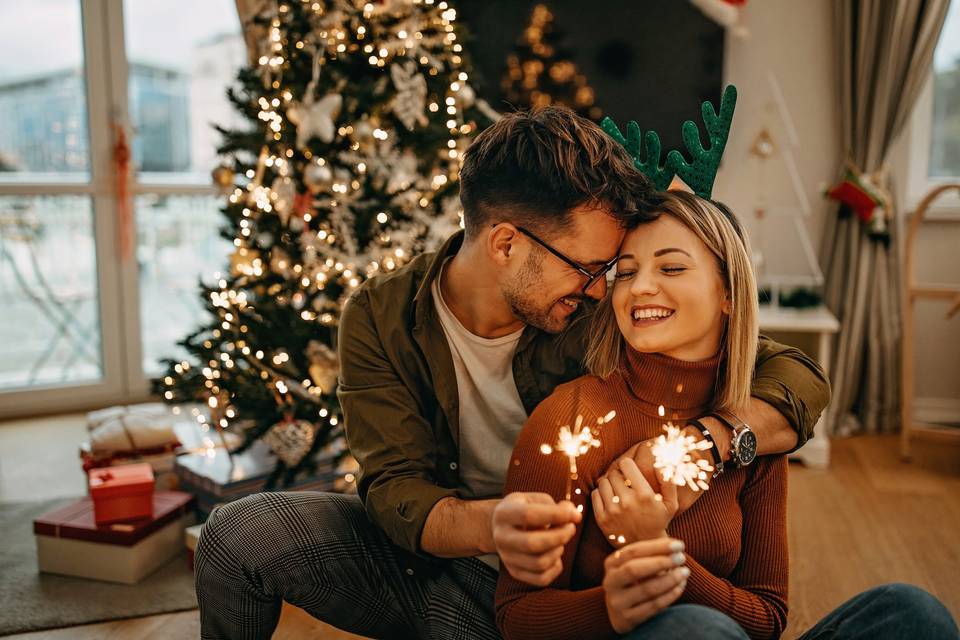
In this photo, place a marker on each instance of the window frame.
(911, 160)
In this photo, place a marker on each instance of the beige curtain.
(885, 50)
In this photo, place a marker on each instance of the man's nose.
(598, 289)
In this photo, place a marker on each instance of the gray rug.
(34, 601)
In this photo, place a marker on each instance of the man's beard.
(520, 295)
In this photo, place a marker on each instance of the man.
(441, 362)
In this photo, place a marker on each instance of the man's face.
(543, 290)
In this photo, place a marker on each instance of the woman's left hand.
(626, 507)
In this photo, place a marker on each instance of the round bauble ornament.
(317, 178)
(223, 178)
(291, 440)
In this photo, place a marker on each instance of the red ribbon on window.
(121, 177)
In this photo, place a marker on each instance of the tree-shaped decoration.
(358, 118)
(540, 70)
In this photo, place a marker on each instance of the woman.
(677, 330)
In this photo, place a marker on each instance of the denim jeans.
(887, 612)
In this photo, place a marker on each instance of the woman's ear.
(725, 304)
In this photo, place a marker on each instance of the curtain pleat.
(885, 51)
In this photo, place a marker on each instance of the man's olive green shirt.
(398, 390)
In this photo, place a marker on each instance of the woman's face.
(668, 295)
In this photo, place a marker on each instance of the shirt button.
(453, 465)
(409, 572)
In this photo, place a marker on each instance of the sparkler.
(574, 443)
(672, 456)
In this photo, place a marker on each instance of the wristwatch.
(714, 450)
(743, 445)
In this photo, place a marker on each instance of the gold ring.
(628, 483)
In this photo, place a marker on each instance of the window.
(945, 138)
(929, 150)
(70, 71)
(177, 90)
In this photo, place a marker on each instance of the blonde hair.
(720, 231)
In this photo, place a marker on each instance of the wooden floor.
(867, 520)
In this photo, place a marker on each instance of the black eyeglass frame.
(592, 277)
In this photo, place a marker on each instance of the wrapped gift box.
(190, 436)
(69, 542)
(121, 493)
(215, 477)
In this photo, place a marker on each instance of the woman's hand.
(642, 579)
(626, 507)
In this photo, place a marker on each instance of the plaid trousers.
(320, 552)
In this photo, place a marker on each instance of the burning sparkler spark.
(672, 456)
(574, 443)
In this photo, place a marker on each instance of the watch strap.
(718, 465)
(734, 431)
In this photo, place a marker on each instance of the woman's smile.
(649, 315)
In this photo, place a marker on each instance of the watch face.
(746, 447)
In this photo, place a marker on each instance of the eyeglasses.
(592, 277)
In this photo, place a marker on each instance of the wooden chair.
(913, 291)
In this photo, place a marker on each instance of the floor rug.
(33, 601)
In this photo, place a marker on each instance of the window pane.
(183, 54)
(49, 325)
(178, 244)
(945, 133)
(43, 115)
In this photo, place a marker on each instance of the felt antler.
(700, 175)
(660, 176)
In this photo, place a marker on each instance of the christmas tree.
(541, 72)
(359, 114)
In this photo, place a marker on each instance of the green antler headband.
(699, 175)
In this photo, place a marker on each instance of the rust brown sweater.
(735, 533)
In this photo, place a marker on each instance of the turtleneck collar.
(685, 389)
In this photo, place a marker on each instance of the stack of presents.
(151, 475)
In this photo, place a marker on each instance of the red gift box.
(121, 493)
(69, 542)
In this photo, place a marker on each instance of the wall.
(793, 42)
(631, 62)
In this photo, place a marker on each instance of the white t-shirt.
(491, 412)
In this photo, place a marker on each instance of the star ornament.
(315, 118)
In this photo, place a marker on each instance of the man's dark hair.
(532, 168)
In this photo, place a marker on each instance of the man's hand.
(642, 579)
(626, 507)
(529, 532)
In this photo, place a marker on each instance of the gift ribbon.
(121, 176)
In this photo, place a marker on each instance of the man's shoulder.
(394, 291)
